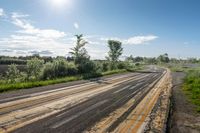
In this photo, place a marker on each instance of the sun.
(60, 3)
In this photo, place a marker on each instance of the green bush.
(122, 65)
(105, 66)
(58, 68)
(34, 68)
(86, 66)
(12, 74)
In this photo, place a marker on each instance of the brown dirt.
(183, 118)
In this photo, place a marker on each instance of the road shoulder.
(183, 118)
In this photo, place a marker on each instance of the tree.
(81, 57)
(139, 59)
(115, 51)
(130, 58)
(79, 52)
(164, 58)
(34, 68)
(13, 73)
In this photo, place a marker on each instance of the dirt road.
(101, 105)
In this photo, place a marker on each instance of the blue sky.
(146, 27)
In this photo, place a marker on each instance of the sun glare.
(60, 3)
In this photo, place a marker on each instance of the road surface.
(101, 105)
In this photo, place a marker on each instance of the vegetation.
(34, 68)
(33, 71)
(12, 74)
(58, 68)
(25, 85)
(41, 71)
(114, 53)
(81, 57)
(192, 86)
(163, 58)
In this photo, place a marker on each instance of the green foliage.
(115, 52)
(81, 57)
(50, 69)
(12, 74)
(105, 66)
(9, 61)
(164, 58)
(192, 87)
(26, 85)
(122, 65)
(34, 68)
(86, 66)
(114, 72)
(79, 52)
(58, 68)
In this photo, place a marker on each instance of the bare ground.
(183, 118)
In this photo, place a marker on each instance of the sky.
(145, 27)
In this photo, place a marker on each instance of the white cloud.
(76, 25)
(135, 40)
(29, 38)
(140, 39)
(1, 12)
(27, 28)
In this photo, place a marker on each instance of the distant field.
(4, 68)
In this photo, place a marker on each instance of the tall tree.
(79, 52)
(114, 53)
(115, 50)
(81, 57)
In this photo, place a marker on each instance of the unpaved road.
(97, 106)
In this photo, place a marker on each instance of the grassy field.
(8, 87)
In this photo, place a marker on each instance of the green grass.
(25, 85)
(114, 72)
(192, 87)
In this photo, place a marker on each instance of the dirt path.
(183, 118)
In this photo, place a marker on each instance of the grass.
(176, 67)
(25, 85)
(191, 87)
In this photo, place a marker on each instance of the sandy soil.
(183, 117)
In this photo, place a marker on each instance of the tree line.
(79, 63)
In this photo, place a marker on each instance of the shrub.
(122, 65)
(105, 66)
(86, 66)
(34, 68)
(71, 68)
(12, 74)
(58, 68)
(48, 71)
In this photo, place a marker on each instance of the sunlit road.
(81, 107)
